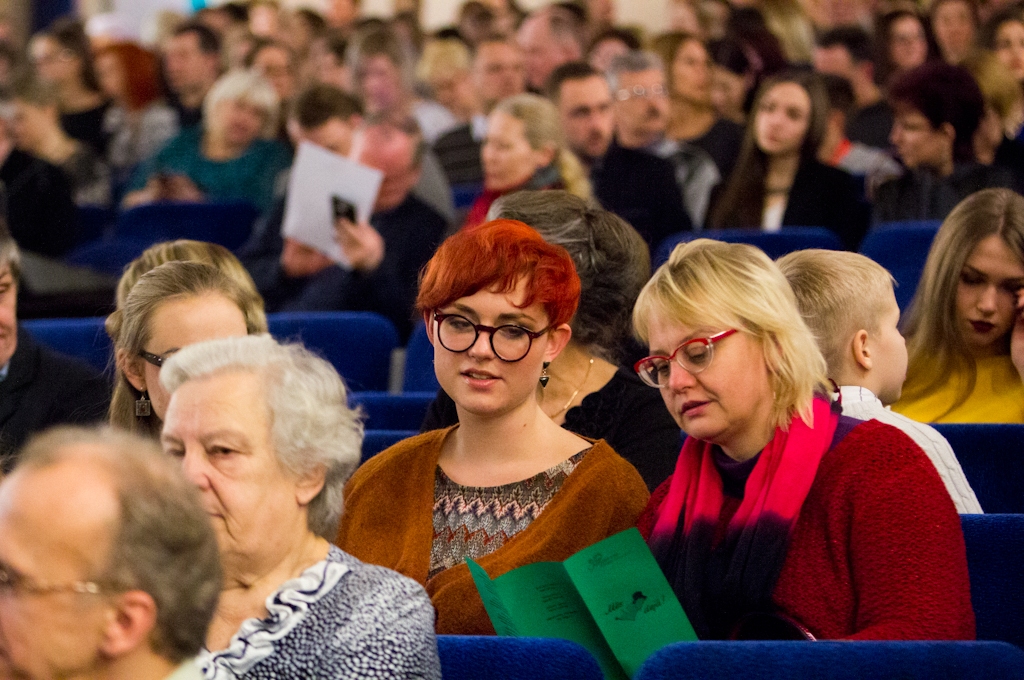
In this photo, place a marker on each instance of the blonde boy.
(849, 304)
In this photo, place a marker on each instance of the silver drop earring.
(143, 408)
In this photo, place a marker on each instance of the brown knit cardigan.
(388, 520)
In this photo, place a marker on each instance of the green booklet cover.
(612, 598)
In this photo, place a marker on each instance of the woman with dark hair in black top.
(778, 180)
(61, 56)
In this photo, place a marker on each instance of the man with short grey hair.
(109, 567)
(637, 80)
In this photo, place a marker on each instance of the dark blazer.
(42, 389)
(922, 195)
(823, 196)
(411, 232)
(641, 189)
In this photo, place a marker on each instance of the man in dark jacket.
(384, 255)
(38, 387)
(637, 186)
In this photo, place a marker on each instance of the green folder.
(612, 598)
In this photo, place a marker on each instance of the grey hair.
(248, 86)
(312, 425)
(632, 62)
(611, 258)
(163, 545)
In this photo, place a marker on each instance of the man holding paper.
(310, 254)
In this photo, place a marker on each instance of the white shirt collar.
(478, 127)
(855, 394)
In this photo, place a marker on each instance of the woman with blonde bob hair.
(965, 336)
(525, 149)
(783, 517)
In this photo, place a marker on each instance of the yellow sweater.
(998, 397)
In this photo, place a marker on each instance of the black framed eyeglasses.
(693, 355)
(510, 342)
(156, 359)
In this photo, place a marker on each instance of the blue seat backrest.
(833, 661)
(463, 195)
(358, 344)
(992, 457)
(419, 373)
(774, 244)
(509, 658)
(228, 224)
(375, 441)
(109, 256)
(385, 411)
(902, 248)
(84, 339)
(995, 559)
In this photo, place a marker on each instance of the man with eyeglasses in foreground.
(109, 567)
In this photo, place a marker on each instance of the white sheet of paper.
(317, 175)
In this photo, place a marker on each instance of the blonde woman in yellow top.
(964, 329)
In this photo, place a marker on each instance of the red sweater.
(877, 552)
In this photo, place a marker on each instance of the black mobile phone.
(343, 208)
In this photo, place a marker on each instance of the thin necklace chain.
(569, 403)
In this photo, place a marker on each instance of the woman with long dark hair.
(778, 180)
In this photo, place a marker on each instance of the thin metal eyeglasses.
(625, 94)
(156, 359)
(510, 343)
(14, 583)
(693, 355)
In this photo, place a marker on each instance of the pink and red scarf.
(719, 583)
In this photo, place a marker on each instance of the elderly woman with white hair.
(784, 517)
(265, 433)
(233, 156)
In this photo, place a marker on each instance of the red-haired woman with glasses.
(783, 517)
(506, 486)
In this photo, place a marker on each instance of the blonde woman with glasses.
(784, 518)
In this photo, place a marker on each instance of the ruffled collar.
(287, 607)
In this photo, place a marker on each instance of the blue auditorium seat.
(834, 661)
(84, 339)
(992, 457)
(375, 441)
(995, 560)
(510, 658)
(463, 195)
(385, 411)
(419, 373)
(902, 248)
(228, 224)
(358, 344)
(775, 244)
(108, 255)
